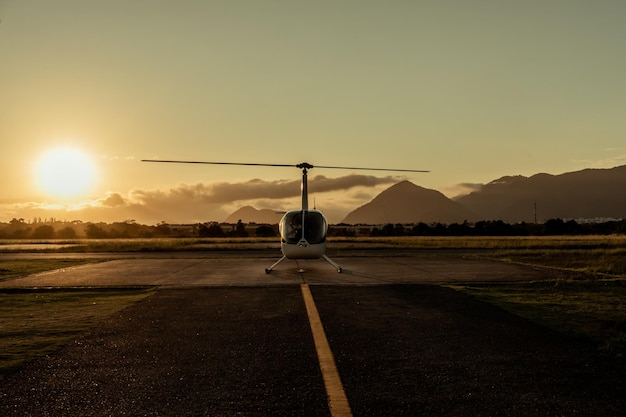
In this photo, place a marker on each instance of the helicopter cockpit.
(315, 227)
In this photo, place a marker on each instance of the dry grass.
(12, 268)
(140, 245)
(598, 262)
(482, 243)
(490, 242)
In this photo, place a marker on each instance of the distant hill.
(590, 193)
(586, 194)
(406, 202)
(249, 214)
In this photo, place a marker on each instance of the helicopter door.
(315, 227)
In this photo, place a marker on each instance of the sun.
(65, 172)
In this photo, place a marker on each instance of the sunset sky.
(471, 90)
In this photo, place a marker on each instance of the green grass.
(140, 245)
(36, 322)
(589, 309)
(12, 268)
(590, 305)
(596, 261)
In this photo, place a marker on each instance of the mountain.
(586, 194)
(590, 193)
(249, 214)
(406, 202)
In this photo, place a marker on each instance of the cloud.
(253, 189)
(224, 192)
(322, 184)
(610, 162)
(106, 157)
(201, 202)
(461, 189)
(113, 200)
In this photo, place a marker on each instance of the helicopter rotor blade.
(372, 169)
(301, 165)
(218, 163)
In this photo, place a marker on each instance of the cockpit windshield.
(315, 227)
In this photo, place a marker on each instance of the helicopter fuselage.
(303, 234)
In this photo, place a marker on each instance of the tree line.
(19, 229)
(552, 227)
(54, 229)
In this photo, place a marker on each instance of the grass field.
(137, 244)
(19, 267)
(36, 322)
(594, 310)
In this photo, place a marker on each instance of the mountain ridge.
(406, 202)
(585, 194)
(588, 193)
(249, 214)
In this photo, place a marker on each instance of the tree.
(67, 233)
(456, 229)
(43, 232)
(214, 230)
(440, 230)
(163, 229)
(240, 229)
(265, 231)
(421, 229)
(493, 228)
(95, 232)
(341, 231)
(388, 230)
(554, 227)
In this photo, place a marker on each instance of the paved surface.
(199, 271)
(222, 338)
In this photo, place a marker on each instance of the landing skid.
(268, 270)
(326, 258)
(333, 263)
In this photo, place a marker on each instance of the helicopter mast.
(304, 187)
(305, 190)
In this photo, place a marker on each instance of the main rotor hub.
(304, 165)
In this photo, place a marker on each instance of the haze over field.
(472, 91)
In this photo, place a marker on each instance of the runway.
(222, 338)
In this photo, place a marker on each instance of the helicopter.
(302, 231)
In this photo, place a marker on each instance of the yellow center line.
(337, 400)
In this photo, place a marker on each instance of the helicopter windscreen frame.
(315, 227)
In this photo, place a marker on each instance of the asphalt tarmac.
(222, 338)
(193, 269)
